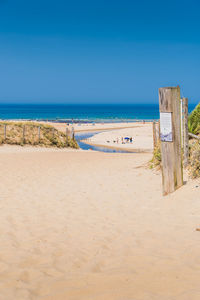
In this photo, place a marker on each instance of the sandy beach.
(96, 126)
(99, 119)
(88, 225)
(110, 135)
(141, 135)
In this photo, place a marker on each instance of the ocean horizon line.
(89, 112)
(77, 104)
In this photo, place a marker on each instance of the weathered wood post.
(72, 133)
(170, 136)
(5, 131)
(158, 128)
(24, 128)
(154, 135)
(181, 115)
(67, 134)
(39, 134)
(158, 131)
(185, 131)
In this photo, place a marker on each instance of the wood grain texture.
(169, 101)
(185, 132)
(39, 134)
(165, 100)
(154, 135)
(194, 136)
(181, 116)
(158, 130)
(67, 132)
(5, 131)
(72, 132)
(24, 130)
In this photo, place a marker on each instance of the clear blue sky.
(98, 51)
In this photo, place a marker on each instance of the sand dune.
(94, 226)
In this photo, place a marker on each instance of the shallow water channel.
(85, 135)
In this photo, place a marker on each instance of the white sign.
(166, 127)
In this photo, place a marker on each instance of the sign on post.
(170, 135)
(166, 127)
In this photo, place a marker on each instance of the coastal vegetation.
(194, 121)
(194, 159)
(194, 146)
(156, 159)
(34, 134)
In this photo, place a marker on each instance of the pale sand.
(142, 138)
(96, 126)
(142, 135)
(93, 226)
(87, 126)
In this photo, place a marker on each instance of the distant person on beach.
(131, 139)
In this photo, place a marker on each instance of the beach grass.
(34, 134)
(194, 159)
(155, 162)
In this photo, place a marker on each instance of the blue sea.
(84, 113)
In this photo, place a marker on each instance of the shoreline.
(105, 129)
(97, 126)
(87, 126)
(111, 135)
(135, 150)
(118, 139)
(82, 121)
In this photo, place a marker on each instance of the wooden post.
(154, 135)
(72, 133)
(39, 134)
(67, 134)
(5, 131)
(24, 134)
(185, 132)
(181, 110)
(170, 136)
(194, 136)
(158, 130)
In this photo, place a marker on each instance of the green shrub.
(194, 160)
(194, 120)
